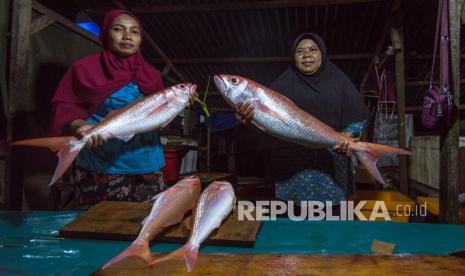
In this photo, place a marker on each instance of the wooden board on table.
(122, 221)
(295, 264)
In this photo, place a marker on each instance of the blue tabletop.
(30, 243)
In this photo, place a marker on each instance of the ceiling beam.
(51, 15)
(255, 5)
(208, 60)
(40, 23)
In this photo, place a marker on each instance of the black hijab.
(328, 94)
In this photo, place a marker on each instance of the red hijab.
(92, 79)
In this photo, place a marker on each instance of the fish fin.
(153, 199)
(68, 148)
(167, 123)
(368, 154)
(188, 222)
(174, 221)
(125, 138)
(273, 113)
(140, 250)
(190, 256)
(158, 109)
(188, 251)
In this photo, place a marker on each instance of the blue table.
(30, 244)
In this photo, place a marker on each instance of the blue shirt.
(142, 154)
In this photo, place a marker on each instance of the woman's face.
(307, 57)
(124, 36)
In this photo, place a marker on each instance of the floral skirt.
(97, 186)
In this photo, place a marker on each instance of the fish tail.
(368, 154)
(68, 148)
(188, 252)
(140, 250)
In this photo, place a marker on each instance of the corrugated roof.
(253, 38)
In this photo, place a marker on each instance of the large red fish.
(277, 115)
(168, 209)
(143, 115)
(214, 205)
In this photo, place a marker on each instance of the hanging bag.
(437, 102)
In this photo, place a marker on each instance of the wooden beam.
(255, 5)
(209, 143)
(40, 23)
(387, 26)
(64, 21)
(155, 47)
(19, 52)
(400, 91)
(449, 159)
(424, 83)
(420, 108)
(426, 57)
(207, 60)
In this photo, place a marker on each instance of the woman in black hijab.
(317, 86)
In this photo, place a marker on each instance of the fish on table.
(214, 205)
(168, 209)
(278, 116)
(143, 115)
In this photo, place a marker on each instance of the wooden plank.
(295, 264)
(19, 46)
(122, 221)
(255, 5)
(40, 23)
(64, 21)
(400, 91)
(449, 178)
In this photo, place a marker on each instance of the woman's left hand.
(344, 148)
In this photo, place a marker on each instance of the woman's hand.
(80, 128)
(343, 148)
(244, 112)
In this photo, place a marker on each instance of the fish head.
(192, 180)
(220, 188)
(191, 183)
(182, 92)
(235, 89)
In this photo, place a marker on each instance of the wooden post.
(400, 90)
(209, 142)
(449, 171)
(20, 34)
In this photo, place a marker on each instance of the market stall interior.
(232, 51)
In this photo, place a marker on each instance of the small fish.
(169, 208)
(215, 204)
(143, 115)
(277, 115)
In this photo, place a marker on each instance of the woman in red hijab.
(93, 87)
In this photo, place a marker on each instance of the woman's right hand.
(80, 130)
(244, 112)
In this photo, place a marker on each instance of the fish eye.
(182, 86)
(234, 80)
